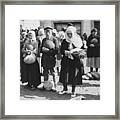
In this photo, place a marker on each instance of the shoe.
(40, 86)
(28, 86)
(63, 92)
(53, 90)
(73, 94)
(33, 88)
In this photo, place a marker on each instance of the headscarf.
(75, 40)
(24, 33)
(33, 35)
(41, 32)
(55, 32)
(61, 35)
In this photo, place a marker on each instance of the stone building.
(83, 26)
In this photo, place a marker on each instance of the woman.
(40, 37)
(31, 73)
(93, 51)
(61, 35)
(70, 64)
(49, 49)
(22, 65)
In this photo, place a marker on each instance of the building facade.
(82, 26)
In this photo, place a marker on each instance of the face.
(48, 33)
(54, 34)
(24, 36)
(27, 40)
(30, 36)
(69, 34)
(94, 33)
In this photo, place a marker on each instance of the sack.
(49, 44)
(95, 75)
(48, 85)
(92, 76)
(29, 59)
(80, 54)
(94, 41)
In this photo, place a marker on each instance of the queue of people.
(45, 51)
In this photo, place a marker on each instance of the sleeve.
(23, 49)
(62, 49)
(35, 44)
(42, 44)
(98, 43)
(56, 43)
(88, 41)
(55, 51)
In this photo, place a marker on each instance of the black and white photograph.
(59, 59)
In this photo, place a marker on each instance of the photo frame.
(70, 2)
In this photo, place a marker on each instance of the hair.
(94, 30)
(69, 24)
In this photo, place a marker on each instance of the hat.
(94, 30)
(48, 27)
(69, 24)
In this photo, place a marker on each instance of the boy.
(49, 49)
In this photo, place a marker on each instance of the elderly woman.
(70, 64)
(31, 73)
(93, 51)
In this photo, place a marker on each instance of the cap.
(48, 27)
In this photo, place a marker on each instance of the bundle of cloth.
(91, 76)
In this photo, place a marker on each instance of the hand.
(44, 49)
(28, 52)
(92, 45)
(67, 53)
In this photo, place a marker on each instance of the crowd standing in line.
(45, 52)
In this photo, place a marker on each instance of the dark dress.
(70, 69)
(93, 53)
(31, 72)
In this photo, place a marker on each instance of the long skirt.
(71, 73)
(31, 74)
(93, 62)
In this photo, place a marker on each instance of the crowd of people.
(45, 52)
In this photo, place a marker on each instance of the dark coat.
(70, 69)
(30, 72)
(93, 51)
(48, 58)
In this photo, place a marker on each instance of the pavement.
(90, 90)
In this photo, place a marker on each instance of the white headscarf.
(61, 35)
(33, 35)
(75, 40)
(24, 33)
(55, 32)
(41, 32)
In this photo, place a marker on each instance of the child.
(49, 49)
